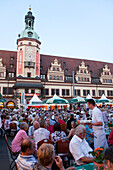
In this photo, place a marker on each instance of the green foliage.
(98, 155)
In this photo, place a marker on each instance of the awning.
(28, 85)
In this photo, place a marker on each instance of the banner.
(37, 64)
(20, 62)
(22, 97)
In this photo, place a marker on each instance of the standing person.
(98, 125)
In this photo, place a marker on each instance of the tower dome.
(29, 32)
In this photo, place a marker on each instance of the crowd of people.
(34, 125)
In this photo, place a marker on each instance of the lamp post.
(73, 84)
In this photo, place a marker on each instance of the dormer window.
(55, 71)
(29, 43)
(81, 71)
(12, 58)
(11, 65)
(30, 34)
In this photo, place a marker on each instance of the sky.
(68, 28)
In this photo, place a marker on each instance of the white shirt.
(97, 117)
(39, 134)
(79, 148)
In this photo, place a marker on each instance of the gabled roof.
(72, 64)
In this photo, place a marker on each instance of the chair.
(13, 155)
(63, 127)
(13, 128)
(17, 167)
(44, 141)
(62, 149)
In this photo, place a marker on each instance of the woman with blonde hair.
(46, 157)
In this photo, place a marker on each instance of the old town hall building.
(26, 70)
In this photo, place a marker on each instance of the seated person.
(14, 120)
(110, 138)
(72, 131)
(108, 155)
(79, 147)
(26, 160)
(16, 143)
(57, 134)
(41, 133)
(49, 127)
(7, 125)
(32, 128)
(46, 157)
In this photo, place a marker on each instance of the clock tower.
(28, 56)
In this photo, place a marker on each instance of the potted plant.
(98, 155)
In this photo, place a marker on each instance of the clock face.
(29, 53)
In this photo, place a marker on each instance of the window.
(84, 71)
(1, 74)
(20, 49)
(57, 69)
(28, 74)
(11, 65)
(46, 91)
(63, 92)
(84, 79)
(12, 58)
(61, 78)
(26, 90)
(81, 71)
(52, 92)
(53, 77)
(30, 33)
(110, 80)
(29, 43)
(50, 77)
(84, 93)
(57, 77)
(20, 43)
(42, 76)
(87, 79)
(4, 90)
(81, 78)
(29, 63)
(10, 90)
(93, 92)
(101, 92)
(57, 91)
(33, 91)
(67, 92)
(7, 90)
(78, 78)
(78, 92)
(53, 68)
(66, 70)
(109, 93)
(11, 74)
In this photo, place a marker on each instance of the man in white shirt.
(98, 125)
(41, 133)
(79, 147)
